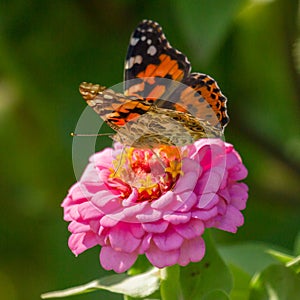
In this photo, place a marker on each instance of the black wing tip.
(147, 23)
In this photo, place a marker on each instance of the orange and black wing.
(149, 58)
(114, 108)
(200, 96)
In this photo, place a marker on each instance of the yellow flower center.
(151, 171)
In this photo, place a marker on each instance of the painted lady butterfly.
(163, 103)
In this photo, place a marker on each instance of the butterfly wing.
(114, 108)
(150, 57)
(152, 65)
(200, 96)
(207, 93)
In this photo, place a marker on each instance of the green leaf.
(280, 256)
(275, 282)
(210, 274)
(250, 257)
(297, 240)
(290, 261)
(141, 285)
(294, 264)
(170, 287)
(220, 295)
(241, 281)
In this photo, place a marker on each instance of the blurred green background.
(48, 47)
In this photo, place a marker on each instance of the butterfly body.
(163, 103)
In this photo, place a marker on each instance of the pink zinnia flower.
(155, 202)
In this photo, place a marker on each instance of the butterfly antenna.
(159, 159)
(119, 162)
(90, 134)
(121, 158)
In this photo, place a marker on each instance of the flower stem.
(170, 288)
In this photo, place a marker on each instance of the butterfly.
(163, 102)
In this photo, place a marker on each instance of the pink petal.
(186, 182)
(167, 241)
(239, 194)
(89, 174)
(161, 259)
(224, 193)
(177, 217)
(121, 238)
(67, 213)
(189, 201)
(76, 227)
(213, 202)
(204, 215)
(130, 214)
(191, 251)
(238, 173)
(233, 158)
(183, 200)
(231, 220)
(137, 230)
(80, 242)
(190, 165)
(132, 198)
(163, 201)
(191, 229)
(149, 216)
(237, 170)
(205, 199)
(75, 195)
(145, 245)
(155, 227)
(88, 211)
(73, 213)
(106, 202)
(107, 221)
(104, 158)
(111, 259)
(210, 182)
(94, 225)
(134, 209)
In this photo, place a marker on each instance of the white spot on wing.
(143, 38)
(151, 50)
(133, 60)
(133, 41)
(138, 59)
(149, 42)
